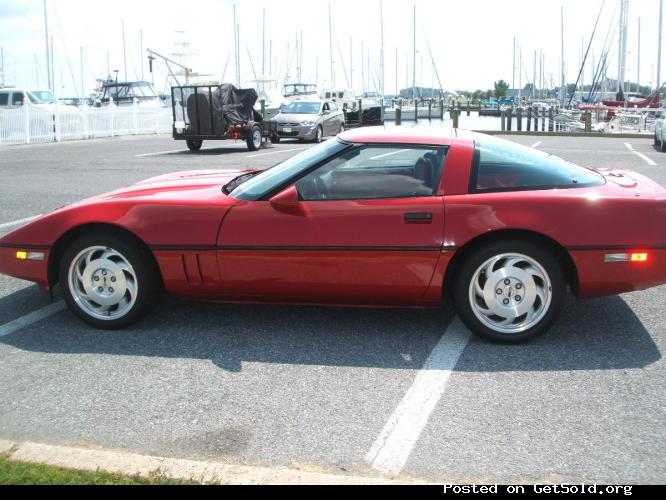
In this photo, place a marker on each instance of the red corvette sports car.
(370, 218)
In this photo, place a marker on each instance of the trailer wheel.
(193, 145)
(254, 139)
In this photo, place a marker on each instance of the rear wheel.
(662, 145)
(193, 145)
(108, 281)
(509, 291)
(254, 139)
(275, 139)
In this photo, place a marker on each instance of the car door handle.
(418, 218)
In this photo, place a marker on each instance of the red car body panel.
(212, 246)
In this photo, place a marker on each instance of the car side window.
(17, 99)
(326, 108)
(333, 107)
(505, 166)
(4, 99)
(376, 172)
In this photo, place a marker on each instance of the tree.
(500, 89)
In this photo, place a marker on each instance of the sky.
(471, 41)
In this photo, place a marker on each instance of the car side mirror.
(288, 202)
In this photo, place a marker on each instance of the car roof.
(389, 135)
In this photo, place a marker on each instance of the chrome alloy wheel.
(103, 283)
(510, 293)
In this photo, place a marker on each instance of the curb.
(131, 464)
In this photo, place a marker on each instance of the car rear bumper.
(598, 278)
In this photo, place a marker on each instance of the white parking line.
(640, 155)
(162, 153)
(395, 443)
(536, 144)
(276, 152)
(31, 318)
(19, 222)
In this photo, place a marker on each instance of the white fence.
(27, 125)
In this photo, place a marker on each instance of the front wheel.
(254, 139)
(510, 291)
(108, 281)
(662, 145)
(319, 135)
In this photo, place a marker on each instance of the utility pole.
(661, 19)
(48, 57)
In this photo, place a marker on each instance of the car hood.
(285, 118)
(186, 186)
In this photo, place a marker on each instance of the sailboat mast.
(661, 22)
(330, 44)
(563, 89)
(638, 62)
(46, 36)
(414, 59)
(381, 25)
(124, 48)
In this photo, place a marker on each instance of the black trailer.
(218, 112)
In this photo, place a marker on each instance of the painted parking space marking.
(276, 152)
(395, 443)
(145, 155)
(31, 318)
(16, 223)
(640, 155)
(536, 144)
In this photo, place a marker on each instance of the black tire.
(148, 280)
(655, 141)
(342, 128)
(275, 139)
(253, 139)
(662, 146)
(319, 136)
(193, 145)
(461, 289)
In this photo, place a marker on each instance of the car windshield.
(271, 179)
(41, 97)
(301, 108)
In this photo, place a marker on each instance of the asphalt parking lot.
(404, 393)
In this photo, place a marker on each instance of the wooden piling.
(503, 120)
(398, 116)
(519, 119)
(510, 119)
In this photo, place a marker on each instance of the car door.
(365, 228)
